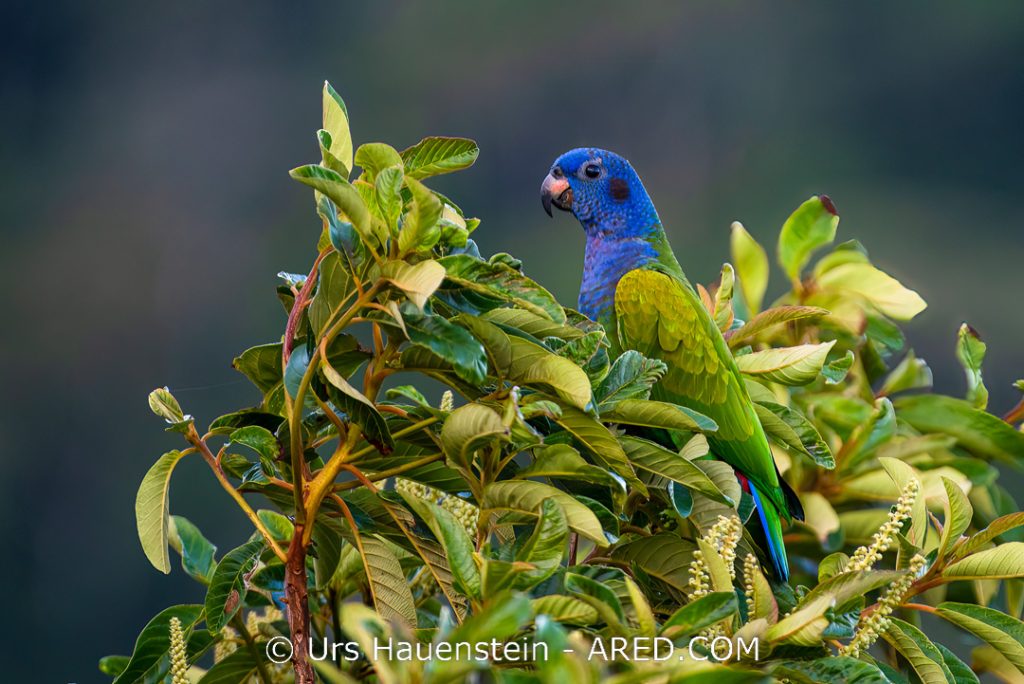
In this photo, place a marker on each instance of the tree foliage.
(544, 496)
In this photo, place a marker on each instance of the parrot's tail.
(772, 526)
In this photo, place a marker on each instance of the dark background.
(146, 209)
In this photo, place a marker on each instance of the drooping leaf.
(358, 408)
(450, 342)
(600, 443)
(798, 365)
(664, 556)
(417, 281)
(811, 226)
(152, 510)
(197, 553)
(457, 545)
(391, 594)
(1002, 632)
(544, 548)
(920, 652)
(751, 266)
(598, 596)
(345, 197)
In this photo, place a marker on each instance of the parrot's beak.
(555, 191)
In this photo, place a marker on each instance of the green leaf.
(958, 516)
(450, 342)
(911, 373)
(792, 428)
(975, 430)
(152, 510)
(962, 674)
(457, 545)
(197, 553)
(561, 461)
(113, 665)
(260, 440)
(925, 659)
(500, 281)
(771, 318)
(523, 499)
(532, 324)
(798, 365)
(242, 665)
(505, 616)
(434, 156)
(392, 596)
(997, 527)
(373, 158)
(545, 548)
(663, 556)
(420, 228)
(163, 404)
(335, 122)
(597, 595)
(1003, 561)
(150, 661)
(468, 428)
(564, 609)
(811, 226)
(228, 584)
(601, 444)
(830, 669)
(333, 290)
(1002, 632)
(700, 614)
(876, 287)
(359, 409)
(723, 311)
(835, 372)
(418, 281)
(345, 197)
(659, 414)
(970, 352)
(805, 625)
(647, 455)
(631, 377)
(262, 365)
(295, 371)
(751, 266)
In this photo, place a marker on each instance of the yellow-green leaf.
(958, 516)
(770, 318)
(1002, 632)
(970, 352)
(469, 427)
(1000, 562)
(920, 652)
(804, 626)
(798, 365)
(751, 266)
(811, 226)
(336, 124)
(878, 288)
(152, 510)
(418, 281)
(523, 498)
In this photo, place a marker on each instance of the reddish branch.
(298, 608)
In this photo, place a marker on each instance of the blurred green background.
(147, 208)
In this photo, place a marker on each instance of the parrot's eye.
(592, 171)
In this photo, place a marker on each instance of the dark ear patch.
(619, 188)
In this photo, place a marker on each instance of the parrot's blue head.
(602, 190)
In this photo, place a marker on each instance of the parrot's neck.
(612, 254)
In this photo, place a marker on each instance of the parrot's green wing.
(662, 317)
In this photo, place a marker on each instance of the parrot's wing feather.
(662, 317)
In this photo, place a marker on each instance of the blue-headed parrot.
(634, 286)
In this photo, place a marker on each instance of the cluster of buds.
(226, 645)
(466, 513)
(423, 583)
(865, 557)
(447, 401)
(873, 624)
(750, 567)
(179, 654)
(724, 536)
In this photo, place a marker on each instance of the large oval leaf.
(152, 510)
(974, 429)
(919, 651)
(1003, 561)
(1004, 633)
(646, 455)
(524, 498)
(436, 155)
(469, 427)
(811, 226)
(658, 414)
(228, 587)
(798, 365)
